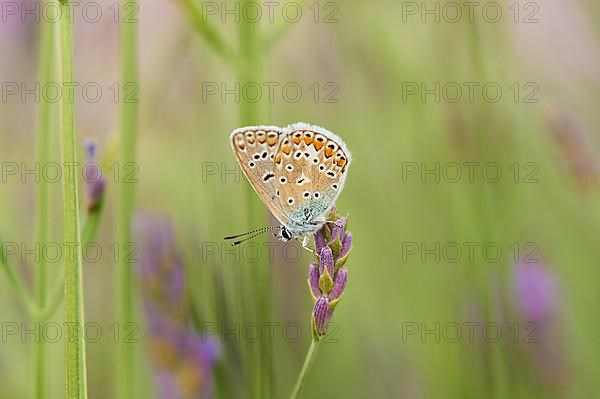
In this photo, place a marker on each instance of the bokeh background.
(418, 319)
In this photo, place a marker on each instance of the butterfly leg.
(325, 221)
(305, 244)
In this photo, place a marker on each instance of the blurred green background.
(362, 68)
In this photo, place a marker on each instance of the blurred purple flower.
(538, 300)
(327, 279)
(95, 181)
(536, 291)
(183, 359)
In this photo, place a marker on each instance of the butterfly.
(298, 172)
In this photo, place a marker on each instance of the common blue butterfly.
(297, 171)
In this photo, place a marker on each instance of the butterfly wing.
(255, 148)
(311, 165)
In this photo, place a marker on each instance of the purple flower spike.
(320, 313)
(94, 179)
(346, 245)
(338, 229)
(326, 261)
(183, 358)
(327, 288)
(313, 280)
(320, 242)
(341, 277)
(90, 148)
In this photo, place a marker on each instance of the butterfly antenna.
(254, 232)
(253, 235)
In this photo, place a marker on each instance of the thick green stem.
(128, 128)
(308, 363)
(76, 386)
(45, 129)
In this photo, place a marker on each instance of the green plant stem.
(210, 35)
(249, 71)
(45, 129)
(76, 384)
(16, 283)
(88, 233)
(278, 31)
(308, 363)
(55, 298)
(128, 129)
(484, 198)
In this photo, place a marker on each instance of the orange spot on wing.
(272, 141)
(286, 149)
(318, 145)
(341, 162)
(262, 139)
(328, 152)
(308, 140)
(297, 140)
